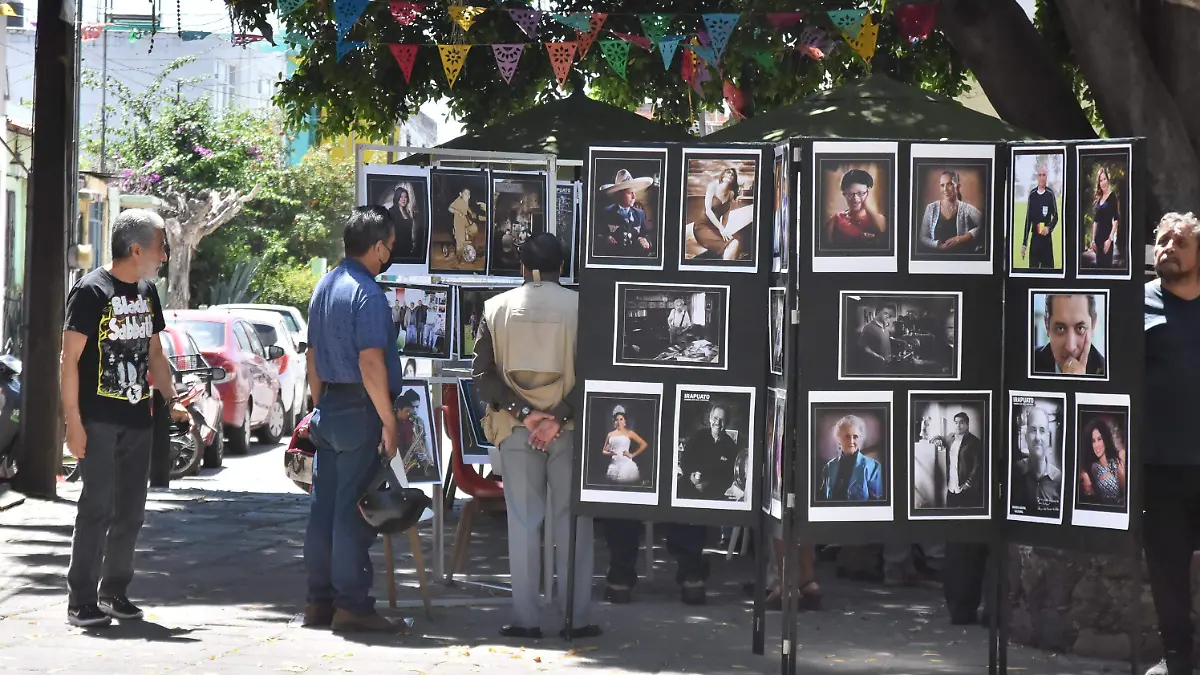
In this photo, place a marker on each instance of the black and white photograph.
(626, 192)
(622, 443)
(671, 325)
(850, 456)
(776, 417)
(1035, 212)
(566, 223)
(1068, 334)
(854, 206)
(404, 192)
(778, 305)
(780, 207)
(1103, 466)
(1035, 450)
(714, 447)
(949, 434)
(418, 459)
(1105, 193)
(908, 335)
(952, 206)
(471, 411)
(459, 224)
(518, 212)
(470, 314)
(422, 316)
(720, 210)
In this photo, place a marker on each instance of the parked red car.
(250, 389)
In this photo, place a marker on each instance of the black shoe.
(583, 633)
(693, 593)
(618, 595)
(87, 616)
(520, 632)
(965, 619)
(120, 608)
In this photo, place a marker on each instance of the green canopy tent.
(872, 107)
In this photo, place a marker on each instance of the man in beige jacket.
(525, 369)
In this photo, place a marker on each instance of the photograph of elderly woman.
(850, 453)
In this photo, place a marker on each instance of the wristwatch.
(523, 413)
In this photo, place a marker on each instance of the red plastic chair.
(486, 493)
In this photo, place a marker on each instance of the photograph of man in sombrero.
(625, 209)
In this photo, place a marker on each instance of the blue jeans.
(337, 546)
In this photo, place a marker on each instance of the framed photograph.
(671, 325)
(422, 315)
(1105, 193)
(1035, 451)
(900, 335)
(776, 416)
(1103, 468)
(781, 245)
(518, 212)
(458, 243)
(950, 436)
(777, 298)
(418, 461)
(1068, 334)
(1035, 211)
(622, 443)
(471, 410)
(714, 447)
(566, 222)
(850, 456)
(720, 210)
(952, 207)
(404, 192)
(626, 192)
(470, 314)
(854, 206)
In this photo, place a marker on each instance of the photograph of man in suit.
(1037, 480)
(964, 466)
(622, 228)
(851, 476)
(709, 460)
(1071, 329)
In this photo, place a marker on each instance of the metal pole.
(51, 188)
(104, 93)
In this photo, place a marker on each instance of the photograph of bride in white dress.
(621, 444)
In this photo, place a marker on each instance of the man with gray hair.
(110, 348)
(1171, 513)
(951, 225)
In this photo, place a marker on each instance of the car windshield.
(208, 334)
(266, 334)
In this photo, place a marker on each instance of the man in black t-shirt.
(1041, 217)
(110, 349)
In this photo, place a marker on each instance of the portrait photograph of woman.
(621, 442)
(1103, 464)
(720, 210)
(1104, 202)
(850, 455)
(404, 192)
(854, 219)
(951, 209)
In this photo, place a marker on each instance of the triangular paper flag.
(465, 15)
(616, 52)
(689, 61)
(816, 43)
(507, 58)
(638, 40)
(243, 39)
(848, 21)
(707, 54)
(288, 6)
(782, 21)
(864, 44)
(405, 12)
(561, 56)
(453, 58)
(580, 21)
(720, 27)
(655, 25)
(586, 39)
(135, 35)
(91, 31)
(193, 35)
(406, 56)
(344, 47)
(667, 46)
(347, 13)
(527, 20)
(916, 21)
(765, 58)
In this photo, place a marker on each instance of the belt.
(344, 386)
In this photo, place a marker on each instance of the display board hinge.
(791, 500)
(795, 317)
(787, 646)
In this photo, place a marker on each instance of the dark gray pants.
(115, 472)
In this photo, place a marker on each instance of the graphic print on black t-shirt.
(123, 336)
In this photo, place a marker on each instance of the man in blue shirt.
(353, 372)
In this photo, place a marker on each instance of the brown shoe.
(350, 622)
(318, 615)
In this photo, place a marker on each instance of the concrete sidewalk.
(221, 575)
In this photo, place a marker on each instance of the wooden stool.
(414, 542)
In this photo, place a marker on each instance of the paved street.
(221, 575)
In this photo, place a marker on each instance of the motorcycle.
(10, 412)
(190, 434)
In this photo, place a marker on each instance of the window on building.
(96, 232)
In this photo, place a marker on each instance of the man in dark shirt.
(110, 347)
(1041, 217)
(422, 316)
(1171, 520)
(708, 459)
(353, 370)
(1070, 328)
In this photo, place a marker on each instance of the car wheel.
(272, 431)
(239, 436)
(214, 454)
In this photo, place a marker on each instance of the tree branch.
(1174, 26)
(228, 207)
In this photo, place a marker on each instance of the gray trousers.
(115, 471)
(527, 474)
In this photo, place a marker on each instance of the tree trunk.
(1169, 28)
(1022, 80)
(1131, 97)
(193, 219)
(179, 267)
